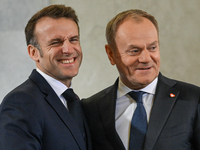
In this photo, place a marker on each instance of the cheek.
(78, 51)
(80, 55)
(77, 47)
(127, 66)
(157, 61)
(130, 62)
(156, 58)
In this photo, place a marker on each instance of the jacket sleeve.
(196, 137)
(20, 123)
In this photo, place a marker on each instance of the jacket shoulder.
(99, 95)
(180, 85)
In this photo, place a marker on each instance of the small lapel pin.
(172, 95)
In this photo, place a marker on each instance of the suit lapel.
(107, 111)
(58, 107)
(164, 101)
(66, 118)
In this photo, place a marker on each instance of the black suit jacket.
(174, 121)
(32, 117)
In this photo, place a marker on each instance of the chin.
(147, 82)
(72, 75)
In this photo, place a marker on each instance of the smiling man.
(143, 110)
(43, 113)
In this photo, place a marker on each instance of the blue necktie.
(74, 107)
(138, 123)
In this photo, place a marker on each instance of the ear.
(33, 53)
(110, 54)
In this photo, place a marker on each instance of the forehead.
(48, 28)
(136, 30)
(47, 22)
(136, 24)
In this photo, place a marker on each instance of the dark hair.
(53, 11)
(114, 24)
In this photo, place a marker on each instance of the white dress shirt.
(125, 107)
(57, 86)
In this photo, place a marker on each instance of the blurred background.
(179, 23)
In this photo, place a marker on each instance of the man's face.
(60, 46)
(137, 56)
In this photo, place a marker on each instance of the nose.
(67, 47)
(144, 56)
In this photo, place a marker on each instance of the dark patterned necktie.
(74, 107)
(138, 123)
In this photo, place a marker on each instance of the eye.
(133, 52)
(152, 48)
(56, 42)
(74, 39)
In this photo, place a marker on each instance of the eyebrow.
(135, 46)
(153, 43)
(76, 36)
(57, 39)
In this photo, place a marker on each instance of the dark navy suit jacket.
(174, 121)
(32, 117)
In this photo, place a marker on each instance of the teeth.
(68, 61)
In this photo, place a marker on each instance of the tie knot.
(137, 96)
(69, 95)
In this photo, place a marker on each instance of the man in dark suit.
(35, 116)
(167, 111)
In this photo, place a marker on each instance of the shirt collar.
(123, 89)
(57, 86)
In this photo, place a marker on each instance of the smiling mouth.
(144, 68)
(67, 61)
